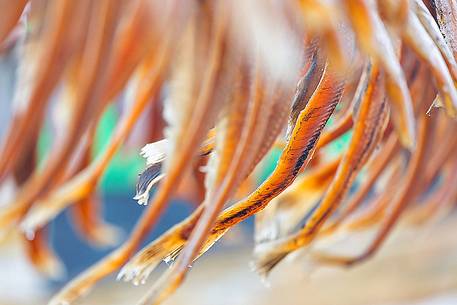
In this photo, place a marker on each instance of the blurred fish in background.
(331, 121)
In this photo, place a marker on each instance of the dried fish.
(225, 83)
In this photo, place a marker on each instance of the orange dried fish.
(400, 201)
(376, 41)
(372, 116)
(225, 72)
(92, 58)
(187, 132)
(295, 155)
(79, 186)
(377, 165)
(42, 256)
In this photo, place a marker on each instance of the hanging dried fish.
(228, 81)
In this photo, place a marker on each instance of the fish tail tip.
(51, 267)
(106, 235)
(266, 260)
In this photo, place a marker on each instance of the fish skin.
(146, 179)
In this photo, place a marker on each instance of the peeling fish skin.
(150, 176)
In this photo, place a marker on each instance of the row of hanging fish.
(216, 85)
